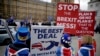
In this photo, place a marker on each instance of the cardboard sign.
(67, 15)
(45, 40)
(86, 23)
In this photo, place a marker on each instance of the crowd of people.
(21, 45)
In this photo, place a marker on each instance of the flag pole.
(79, 2)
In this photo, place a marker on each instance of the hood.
(88, 46)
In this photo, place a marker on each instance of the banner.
(86, 23)
(45, 40)
(67, 15)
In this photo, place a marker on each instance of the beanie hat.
(65, 39)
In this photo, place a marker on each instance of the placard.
(45, 40)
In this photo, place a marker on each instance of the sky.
(46, 0)
(83, 4)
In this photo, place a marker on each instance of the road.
(74, 44)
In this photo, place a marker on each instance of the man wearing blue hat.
(65, 49)
(19, 46)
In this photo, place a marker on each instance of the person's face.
(24, 38)
(84, 40)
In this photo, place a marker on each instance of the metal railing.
(7, 28)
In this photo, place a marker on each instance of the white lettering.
(67, 25)
(85, 14)
(70, 7)
(84, 17)
(82, 31)
(84, 21)
(67, 19)
(67, 7)
(60, 7)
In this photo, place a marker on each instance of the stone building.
(94, 5)
(36, 9)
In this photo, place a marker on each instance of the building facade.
(36, 9)
(94, 5)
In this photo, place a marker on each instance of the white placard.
(45, 40)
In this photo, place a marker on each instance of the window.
(65, 0)
(96, 13)
(57, 0)
(68, 1)
(3, 31)
(97, 4)
(91, 5)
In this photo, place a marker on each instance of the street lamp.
(46, 10)
(79, 2)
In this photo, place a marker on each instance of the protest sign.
(67, 15)
(45, 40)
(86, 23)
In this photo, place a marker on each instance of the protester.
(94, 44)
(65, 48)
(0, 19)
(79, 42)
(10, 20)
(86, 48)
(19, 46)
(22, 23)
